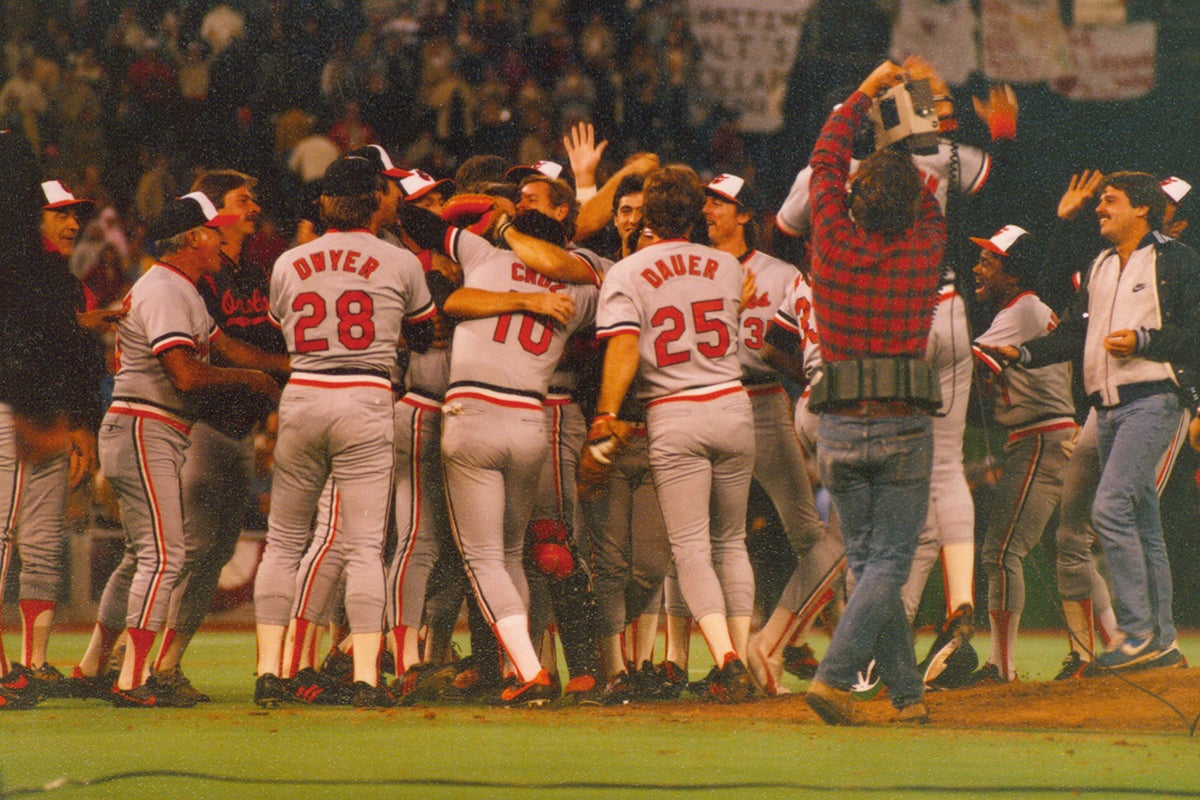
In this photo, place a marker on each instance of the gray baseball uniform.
(494, 439)
(681, 300)
(340, 301)
(1036, 409)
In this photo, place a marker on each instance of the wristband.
(585, 193)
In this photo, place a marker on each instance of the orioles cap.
(1002, 241)
(59, 196)
(187, 212)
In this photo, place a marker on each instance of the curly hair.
(885, 193)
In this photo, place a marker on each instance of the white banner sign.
(747, 51)
(941, 32)
(1111, 63)
(1024, 41)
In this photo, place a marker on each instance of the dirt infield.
(1095, 704)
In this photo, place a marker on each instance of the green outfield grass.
(231, 749)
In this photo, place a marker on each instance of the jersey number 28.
(355, 328)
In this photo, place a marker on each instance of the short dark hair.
(674, 201)
(219, 182)
(1142, 189)
(630, 184)
(350, 211)
(889, 186)
(478, 170)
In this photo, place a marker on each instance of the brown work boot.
(835, 706)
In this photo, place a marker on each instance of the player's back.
(515, 352)
(682, 300)
(340, 301)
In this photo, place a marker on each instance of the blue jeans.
(877, 471)
(1132, 438)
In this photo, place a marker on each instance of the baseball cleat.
(367, 696)
(957, 670)
(673, 679)
(988, 675)
(732, 683)
(174, 680)
(422, 683)
(338, 665)
(270, 691)
(315, 689)
(149, 695)
(19, 678)
(582, 690)
(955, 632)
(537, 692)
(700, 687)
(834, 706)
(621, 691)
(50, 682)
(766, 668)
(91, 687)
(867, 683)
(17, 700)
(1073, 666)
(800, 661)
(1170, 657)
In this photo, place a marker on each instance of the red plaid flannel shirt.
(873, 295)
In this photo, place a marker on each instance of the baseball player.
(219, 468)
(779, 465)
(340, 301)
(36, 493)
(494, 432)
(670, 313)
(1035, 407)
(163, 349)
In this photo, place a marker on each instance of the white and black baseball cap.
(187, 212)
(550, 169)
(382, 161)
(731, 189)
(59, 197)
(418, 183)
(1175, 188)
(1002, 241)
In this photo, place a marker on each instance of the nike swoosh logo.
(1139, 287)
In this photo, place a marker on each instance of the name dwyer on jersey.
(679, 267)
(334, 260)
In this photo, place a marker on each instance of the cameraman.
(876, 264)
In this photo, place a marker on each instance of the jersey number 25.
(675, 325)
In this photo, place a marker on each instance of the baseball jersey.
(512, 354)
(974, 165)
(428, 373)
(340, 301)
(237, 298)
(164, 311)
(794, 316)
(566, 374)
(682, 301)
(1026, 396)
(773, 279)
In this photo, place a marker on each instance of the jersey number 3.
(355, 325)
(676, 326)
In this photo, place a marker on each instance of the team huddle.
(475, 408)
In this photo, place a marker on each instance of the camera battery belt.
(876, 387)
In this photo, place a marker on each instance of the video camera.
(905, 117)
